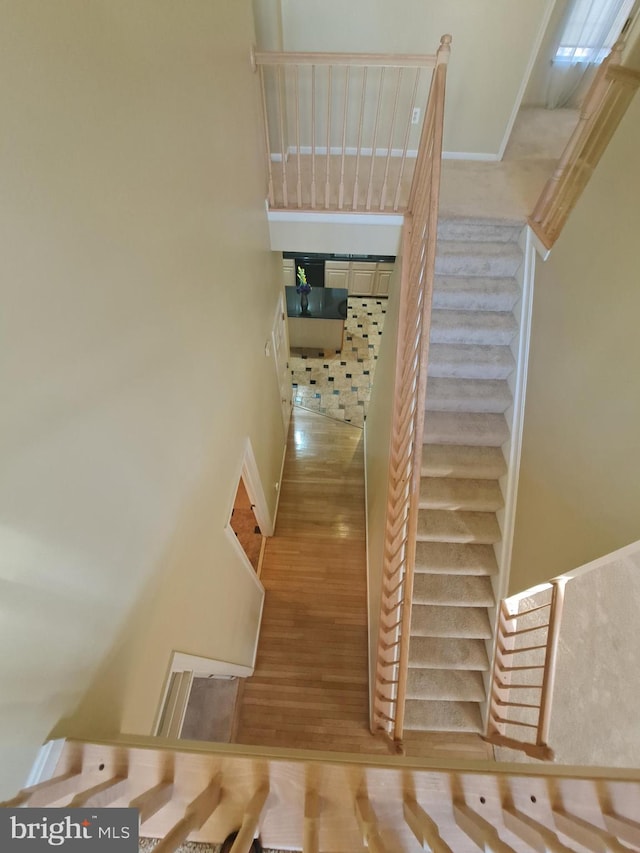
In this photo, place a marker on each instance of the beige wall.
(493, 41)
(578, 496)
(138, 292)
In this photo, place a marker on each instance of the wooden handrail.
(372, 60)
(604, 106)
(539, 722)
(348, 801)
(408, 404)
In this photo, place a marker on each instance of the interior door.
(280, 342)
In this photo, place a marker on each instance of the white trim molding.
(483, 156)
(517, 422)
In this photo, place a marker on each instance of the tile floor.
(338, 384)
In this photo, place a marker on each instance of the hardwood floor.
(309, 690)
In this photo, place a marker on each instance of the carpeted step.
(452, 460)
(496, 328)
(488, 259)
(435, 525)
(437, 716)
(458, 590)
(470, 362)
(474, 293)
(456, 228)
(452, 684)
(448, 653)
(468, 395)
(451, 558)
(475, 428)
(433, 620)
(457, 493)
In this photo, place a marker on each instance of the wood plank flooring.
(309, 689)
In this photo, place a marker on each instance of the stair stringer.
(512, 448)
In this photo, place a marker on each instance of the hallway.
(309, 689)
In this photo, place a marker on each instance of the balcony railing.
(604, 106)
(332, 802)
(524, 669)
(341, 131)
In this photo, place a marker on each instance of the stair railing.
(524, 670)
(292, 799)
(341, 129)
(604, 106)
(408, 405)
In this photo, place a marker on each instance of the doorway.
(245, 525)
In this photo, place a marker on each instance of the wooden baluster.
(479, 830)
(368, 824)
(46, 792)
(250, 821)
(311, 828)
(359, 144)
(196, 814)
(405, 145)
(590, 836)
(283, 147)
(383, 194)
(327, 182)
(375, 139)
(537, 836)
(153, 800)
(344, 137)
(424, 829)
(313, 136)
(267, 144)
(297, 101)
(623, 828)
(101, 795)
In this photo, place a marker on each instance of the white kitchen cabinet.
(361, 279)
(383, 279)
(288, 272)
(336, 274)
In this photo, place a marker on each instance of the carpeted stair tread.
(451, 558)
(433, 620)
(448, 653)
(456, 228)
(468, 395)
(481, 258)
(475, 361)
(457, 493)
(474, 293)
(438, 716)
(458, 590)
(476, 428)
(462, 685)
(472, 327)
(435, 525)
(468, 462)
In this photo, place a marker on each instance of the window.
(591, 29)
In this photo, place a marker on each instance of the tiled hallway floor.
(338, 384)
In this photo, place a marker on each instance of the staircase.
(468, 392)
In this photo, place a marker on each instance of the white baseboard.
(517, 424)
(482, 156)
